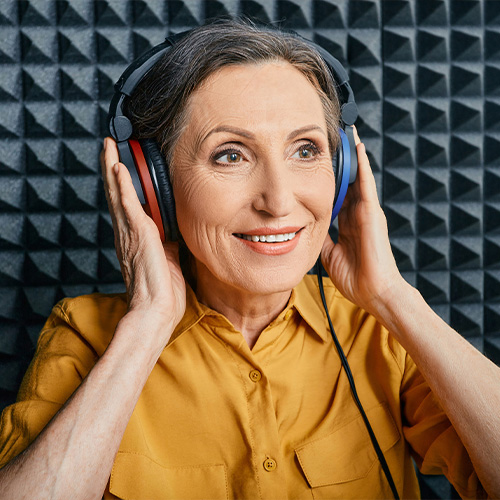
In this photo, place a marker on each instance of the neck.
(250, 313)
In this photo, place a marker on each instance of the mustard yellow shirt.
(219, 420)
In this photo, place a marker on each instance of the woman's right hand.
(151, 270)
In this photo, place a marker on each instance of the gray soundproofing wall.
(426, 76)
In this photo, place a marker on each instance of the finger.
(366, 179)
(111, 151)
(109, 158)
(357, 140)
(119, 176)
(106, 171)
(129, 202)
(106, 164)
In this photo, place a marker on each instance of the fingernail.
(116, 167)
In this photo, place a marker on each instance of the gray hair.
(158, 107)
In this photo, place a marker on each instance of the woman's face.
(252, 178)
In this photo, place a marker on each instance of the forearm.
(466, 383)
(73, 456)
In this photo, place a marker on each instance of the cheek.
(318, 194)
(204, 208)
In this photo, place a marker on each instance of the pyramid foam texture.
(426, 76)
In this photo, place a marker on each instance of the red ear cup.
(159, 171)
(151, 207)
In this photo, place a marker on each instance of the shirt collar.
(305, 298)
(195, 311)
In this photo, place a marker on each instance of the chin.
(269, 287)
(266, 280)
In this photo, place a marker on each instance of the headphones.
(147, 165)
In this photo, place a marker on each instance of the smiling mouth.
(267, 238)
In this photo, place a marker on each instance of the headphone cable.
(348, 372)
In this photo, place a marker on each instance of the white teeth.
(269, 238)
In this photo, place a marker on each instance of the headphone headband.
(348, 110)
(134, 73)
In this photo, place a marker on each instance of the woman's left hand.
(361, 263)
(465, 383)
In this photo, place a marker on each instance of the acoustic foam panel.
(426, 76)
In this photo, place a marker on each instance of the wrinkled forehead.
(266, 96)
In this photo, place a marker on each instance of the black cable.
(348, 372)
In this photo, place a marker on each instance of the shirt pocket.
(138, 477)
(347, 454)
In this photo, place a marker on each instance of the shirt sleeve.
(62, 360)
(436, 447)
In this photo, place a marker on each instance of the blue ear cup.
(347, 166)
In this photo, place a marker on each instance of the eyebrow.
(249, 135)
(232, 130)
(303, 130)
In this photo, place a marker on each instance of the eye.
(229, 156)
(306, 152)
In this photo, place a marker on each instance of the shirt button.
(269, 464)
(255, 375)
(288, 314)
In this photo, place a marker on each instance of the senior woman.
(223, 381)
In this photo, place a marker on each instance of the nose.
(275, 192)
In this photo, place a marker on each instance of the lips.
(269, 238)
(269, 241)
